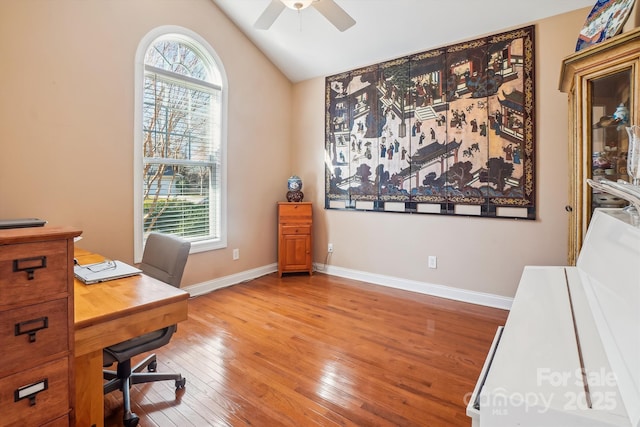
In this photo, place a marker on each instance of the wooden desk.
(111, 312)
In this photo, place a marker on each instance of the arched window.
(180, 142)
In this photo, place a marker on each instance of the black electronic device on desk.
(21, 223)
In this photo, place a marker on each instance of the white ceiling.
(306, 45)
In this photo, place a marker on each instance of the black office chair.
(164, 258)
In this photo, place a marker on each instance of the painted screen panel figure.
(447, 131)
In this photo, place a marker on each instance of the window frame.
(208, 53)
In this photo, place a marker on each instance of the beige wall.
(66, 133)
(66, 123)
(477, 254)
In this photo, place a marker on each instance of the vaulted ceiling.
(305, 45)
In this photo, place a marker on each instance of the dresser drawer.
(29, 334)
(296, 229)
(31, 271)
(295, 211)
(49, 386)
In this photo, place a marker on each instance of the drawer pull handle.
(30, 391)
(30, 265)
(31, 327)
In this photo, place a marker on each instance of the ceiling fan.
(328, 8)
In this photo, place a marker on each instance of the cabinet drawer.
(59, 422)
(29, 334)
(31, 271)
(294, 210)
(49, 386)
(296, 229)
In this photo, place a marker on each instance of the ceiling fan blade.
(269, 15)
(334, 14)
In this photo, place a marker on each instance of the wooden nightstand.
(295, 221)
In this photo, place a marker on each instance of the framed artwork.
(448, 131)
(604, 21)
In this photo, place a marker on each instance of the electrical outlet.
(330, 248)
(433, 261)
(236, 254)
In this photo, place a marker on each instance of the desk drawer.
(49, 384)
(29, 334)
(31, 271)
(296, 229)
(58, 422)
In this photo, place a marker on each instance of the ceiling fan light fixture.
(297, 4)
(327, 8)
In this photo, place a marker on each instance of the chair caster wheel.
(181, 383)
(153, 366)
(130, 420)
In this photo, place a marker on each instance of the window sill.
(207, 245)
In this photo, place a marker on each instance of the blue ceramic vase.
(294, 185)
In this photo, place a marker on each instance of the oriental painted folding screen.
(447, 131)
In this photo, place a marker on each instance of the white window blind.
(181, 144)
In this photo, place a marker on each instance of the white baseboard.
(474, 297)
(234, 279)
(464, 295)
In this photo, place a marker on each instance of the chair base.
(125, 376)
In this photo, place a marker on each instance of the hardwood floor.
(318, 351)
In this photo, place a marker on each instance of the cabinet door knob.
(568, 208)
